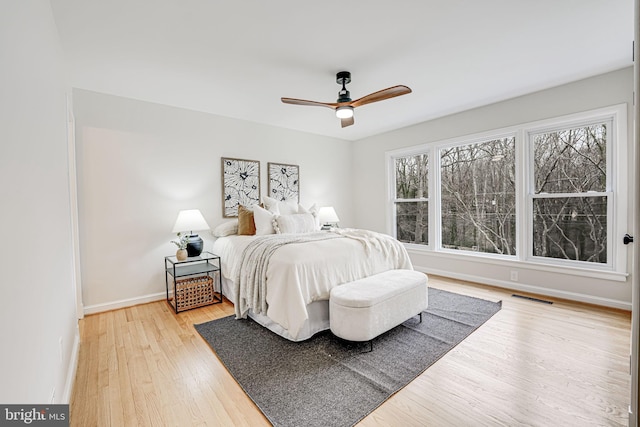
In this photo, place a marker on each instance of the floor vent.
(532, 299)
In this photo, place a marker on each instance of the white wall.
(140, 163)
(38, 298)
(371, 206)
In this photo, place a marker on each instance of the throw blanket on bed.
(371, 241)
(251, 278)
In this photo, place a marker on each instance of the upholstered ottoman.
(363, 309)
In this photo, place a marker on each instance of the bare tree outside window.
(478, 197)
(570, 194)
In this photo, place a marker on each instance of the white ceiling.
(237, 58)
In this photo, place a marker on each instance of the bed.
(283, 281)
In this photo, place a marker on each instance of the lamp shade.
(190, 220)
(328, 215)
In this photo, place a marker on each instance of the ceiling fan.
(344, 105)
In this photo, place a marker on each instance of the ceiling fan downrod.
(343, 77)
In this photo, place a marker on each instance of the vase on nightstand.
(181, 255)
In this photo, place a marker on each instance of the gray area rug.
(326, 381)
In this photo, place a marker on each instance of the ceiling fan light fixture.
(344, 112)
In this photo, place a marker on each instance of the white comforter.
(300, 273)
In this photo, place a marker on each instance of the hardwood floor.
(533, 364)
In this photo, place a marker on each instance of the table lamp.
(191, 220)
(328, 217)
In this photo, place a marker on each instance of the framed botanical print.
(284, 182)
(240, 184)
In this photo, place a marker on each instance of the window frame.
(465, 141)
(616, 149)
(616, 192)
(391, 189)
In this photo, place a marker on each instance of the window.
(570, 193)
(477, 197)
(550, 192)
(411, 199)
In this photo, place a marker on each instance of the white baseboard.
(72, 368)
(573, 296)
(99, 308)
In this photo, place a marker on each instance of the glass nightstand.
(196, 281)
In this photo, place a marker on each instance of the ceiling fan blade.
(381, 95)
(294, 101)
(347, 122)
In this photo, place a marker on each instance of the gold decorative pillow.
(246, 224)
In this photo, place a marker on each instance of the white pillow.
(294, 224)
(283, 207)
(227, 228)
(263, 220)
(313, 210)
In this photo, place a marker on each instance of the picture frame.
(240, 184)
(284, 181)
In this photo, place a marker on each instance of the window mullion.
(522, 218)
(435, 216)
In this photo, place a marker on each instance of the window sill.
(511, 262)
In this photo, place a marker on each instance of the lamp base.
(195, 245)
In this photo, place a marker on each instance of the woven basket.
(193, 292)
